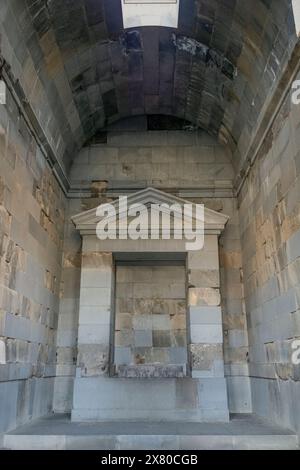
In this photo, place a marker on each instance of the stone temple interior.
(141, 342)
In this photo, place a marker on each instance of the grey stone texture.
(55, 304)
(270, 226)
(154, 326)
(32, 222)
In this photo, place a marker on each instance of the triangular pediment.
(87, 221)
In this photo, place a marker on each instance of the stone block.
(124, 321)
(239, 394)
(292, 247)
(93, 334)
(124, 338)
(209, 334)
(160, 355)
(96, 278)
(203, 260)
(203, 356)
(161, 322)
(143, 355)
(204, 297)
(237, 338)
(92, 296)
(205, 315)
(129, 395)
(178, 338)
(63, 394)
(8, 405)
(161, 339)
(143, 338)
(122, 356)
(93, 315)
(124, 290)
(201, 278)
(126, 306)
(212, 393)
(93, 360)
(178, 322)
(142, 322)
(151, 371)
(178, 355)
(97, 260)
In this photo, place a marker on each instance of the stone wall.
(162, 159)
(269, 207)
(31, 241)
(150, 319)
(188, 164)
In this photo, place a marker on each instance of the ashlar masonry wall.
(269, 208)
(31, 240)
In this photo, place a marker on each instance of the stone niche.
(150, 339)
(150, 332)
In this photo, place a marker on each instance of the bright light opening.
(296, 9)
(150, 13)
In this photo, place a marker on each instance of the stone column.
(206, 332)
(95, 317)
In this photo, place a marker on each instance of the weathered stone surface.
(156, 320)
(207, 278)
(125, 321)
(204, 355)
(161, 339)
(96, 260)
(151, 371)
(204, 296)
(93, 360)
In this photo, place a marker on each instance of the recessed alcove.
(150, 328)
(150, 324)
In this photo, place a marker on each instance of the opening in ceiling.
(150, 13)
(296, 10)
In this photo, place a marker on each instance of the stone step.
(150, 442)
(58, 432)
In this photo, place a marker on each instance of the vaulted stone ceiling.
(216, 70)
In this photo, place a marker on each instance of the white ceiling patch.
(296, 9)
(150, 13)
